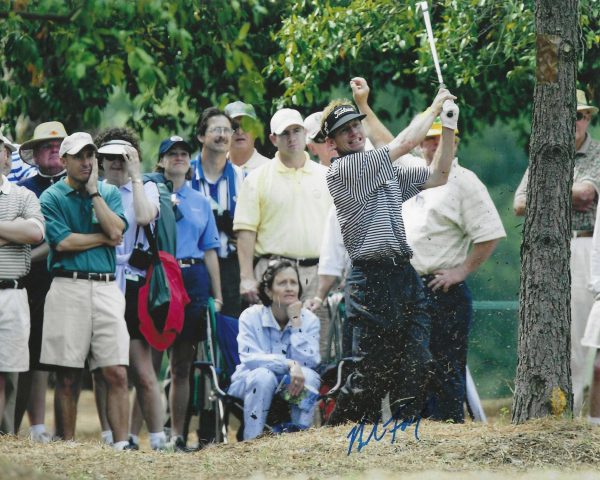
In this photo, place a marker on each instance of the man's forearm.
(412, 135)
(21, 231)
(112, 225)
(326, 282)
(442, 160)
(479, 254)
(78, 242)
(212, 266)
(40, 253)
(245, 247)
(376, 131)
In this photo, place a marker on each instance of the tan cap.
(582, 103)
(7, 143)
(42, 133)
(436, 128)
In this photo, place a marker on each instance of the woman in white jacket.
(276, 338)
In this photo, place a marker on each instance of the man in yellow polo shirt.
(281, 211)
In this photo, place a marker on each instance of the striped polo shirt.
(17, 202)
(368, 191)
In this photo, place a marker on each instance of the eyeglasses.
(220, 131)
(581, 115)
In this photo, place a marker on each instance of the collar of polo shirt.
(281, 168)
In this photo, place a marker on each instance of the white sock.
(120, 445)
(134, 438)
(37, 429)
(593, 421)
(107, 437)
(157, 440)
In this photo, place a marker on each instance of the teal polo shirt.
(70, 211)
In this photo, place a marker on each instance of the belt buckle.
(15, 284)
(394, 262)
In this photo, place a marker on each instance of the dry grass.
(547, 448)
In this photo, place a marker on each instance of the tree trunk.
(543, 379)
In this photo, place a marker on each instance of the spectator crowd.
(394, 221)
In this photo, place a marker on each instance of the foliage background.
(155, 65)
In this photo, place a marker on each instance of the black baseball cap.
(339, 116)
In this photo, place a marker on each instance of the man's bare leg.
(66, 396)
(117, 401)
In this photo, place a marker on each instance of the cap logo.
(176, 138)
(53, 132)
(338, 113)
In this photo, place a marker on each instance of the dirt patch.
(540, 449)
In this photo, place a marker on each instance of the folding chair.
(214, 377)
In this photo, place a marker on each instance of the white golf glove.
(449, 115)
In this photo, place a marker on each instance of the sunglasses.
(581, 115)
(110, 158)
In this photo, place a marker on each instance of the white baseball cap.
(284, 118)
(312, 124)
(73, 144)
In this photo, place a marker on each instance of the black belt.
(101, 277)
(190, 261)
(13, 284)
(301, 262)
(393, 261)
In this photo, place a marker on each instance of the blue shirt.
(262, 343)
(197, 229)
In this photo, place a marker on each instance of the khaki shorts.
(84, 319)
(14, 330)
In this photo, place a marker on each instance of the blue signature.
(398, 424)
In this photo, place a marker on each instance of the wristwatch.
(95, 194)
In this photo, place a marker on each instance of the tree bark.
(543, 378)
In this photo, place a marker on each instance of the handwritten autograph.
(398, 424)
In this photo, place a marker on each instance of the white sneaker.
(42, 437)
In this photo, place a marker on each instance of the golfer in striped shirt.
(385, 295)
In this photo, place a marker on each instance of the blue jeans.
(451, 315)
(389, 305)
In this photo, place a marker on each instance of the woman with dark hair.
(276, 338)
(119, 155)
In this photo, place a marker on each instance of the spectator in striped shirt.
(21, 224)
(220, 180)
(386, 297)
(17, 169)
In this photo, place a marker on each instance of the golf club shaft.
(434, 55)
(436, 61)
